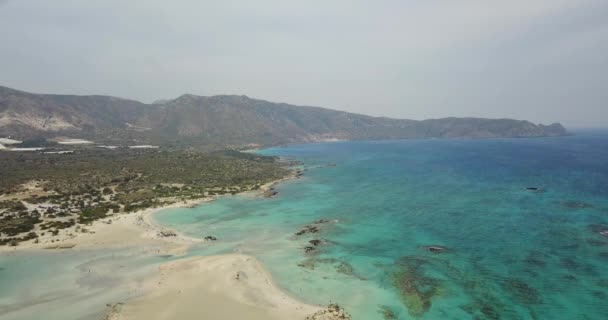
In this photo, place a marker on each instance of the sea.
(405, 229)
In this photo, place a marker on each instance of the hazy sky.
(544, 61)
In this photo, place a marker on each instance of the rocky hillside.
(221, 121)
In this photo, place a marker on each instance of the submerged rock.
(332, 312)
(309, 249)
(435, 249)
(270, 193)
(316, 242)
(387, 313)
(307, 229)
(535, 189)
(345, 268)
(312, 228)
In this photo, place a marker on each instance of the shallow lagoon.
(511, 253)
(70, 284)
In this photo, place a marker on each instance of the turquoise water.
(511, 253)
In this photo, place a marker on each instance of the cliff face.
(221, 121)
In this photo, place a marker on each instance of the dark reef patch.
(522, 291)
(569, 263)
(603, 283)
(535, 261)
(387, 313)
(416, 288)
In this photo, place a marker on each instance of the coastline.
(116, 231)
(129, 229)
(228, 286)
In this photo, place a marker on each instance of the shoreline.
(116, 231)
(127, 229)
(234, 286)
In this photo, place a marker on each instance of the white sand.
(208, 288)
(189, 288)
(116, 231)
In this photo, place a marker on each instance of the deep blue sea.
(505, 251)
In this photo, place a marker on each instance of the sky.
(543, 61)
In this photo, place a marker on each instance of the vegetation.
(218, 122)
(47, 192)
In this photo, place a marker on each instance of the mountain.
(226, 121)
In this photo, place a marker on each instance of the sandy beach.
(116, 231)
(216, 287)
(232, 286)
(122, 229)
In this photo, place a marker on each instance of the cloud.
(536, 59)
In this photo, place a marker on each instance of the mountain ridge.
(227, 121)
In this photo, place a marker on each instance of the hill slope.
(220, 121)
